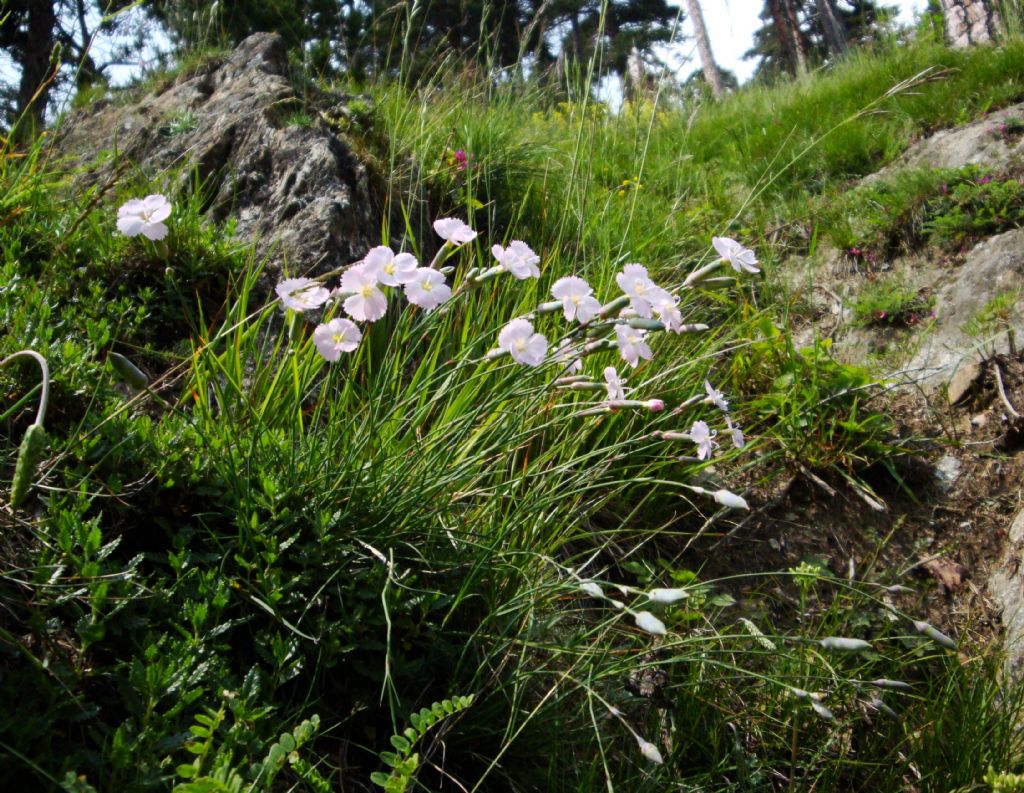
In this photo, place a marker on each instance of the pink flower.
(577, 300)
(633, 280)
(518, 340)
(335, 337)
(391, 270)
(301, 294)
(565, 355)
(716, 397)
(519, 259)
(632, 345)
(428, 289)
(615, 384)
(144, 216)
(454, 230)
(742, 259)
(366, 302)
(704, 438)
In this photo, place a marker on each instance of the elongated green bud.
(843, 645)
(31, 449)
(128, 371)
(935, 634)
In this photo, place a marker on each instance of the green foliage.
(994, 317)
(404, 761)
(891, 302)
(815, 406)
(1003, 781)
(947, 208)
(215, 770)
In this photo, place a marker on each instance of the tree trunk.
(796, 37)
(835, 33)
(787, 46)
(970, 21)
(34, 88)
(707, 58)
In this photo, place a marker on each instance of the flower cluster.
(362, 286)
(624, 323)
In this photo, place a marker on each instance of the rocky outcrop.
(969, 144)
(294, 187)
(993, 267)
(970, 21)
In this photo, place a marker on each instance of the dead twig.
(1002, 393)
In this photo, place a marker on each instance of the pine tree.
(795, 35)
(42, 35)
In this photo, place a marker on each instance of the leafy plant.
(404, 762)
(891, 302)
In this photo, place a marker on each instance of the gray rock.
(947, 471)
(297, 191)
(943, 354)
(992, 267)
(1006, 586)
(970, 144)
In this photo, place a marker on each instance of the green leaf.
(287, 742)
(186, 771)
(379, 778)
(389, 758)
(400, 743)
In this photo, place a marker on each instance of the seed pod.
(884, 682)
(841, 644)
(650, 751)
(878, 706)
(31, 449)
(822, 711)
(646, 621)
(128, 371)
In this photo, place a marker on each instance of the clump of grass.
(887, 301)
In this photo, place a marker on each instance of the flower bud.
(841, 644)
(667, 595)
(593, 589)
(935, 634)
(646, 621)
(731, 500)
(884, 682)
(822, 711)
(650, 751)
(31, 449)
(128, 371)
